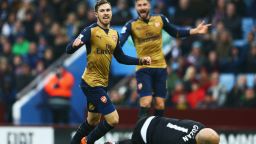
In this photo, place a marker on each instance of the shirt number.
(178, 128)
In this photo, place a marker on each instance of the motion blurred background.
(211, 78)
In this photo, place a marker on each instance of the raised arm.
(83, 38)
(173, 30)
(125, 33)
(178, 32)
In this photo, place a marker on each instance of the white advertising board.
(26, 135)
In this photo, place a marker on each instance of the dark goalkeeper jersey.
(161, 130)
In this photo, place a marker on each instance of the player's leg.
(93, 116)
(144, 88)
(145, 104)
(160, 78)
(159, 106)
(106, 108)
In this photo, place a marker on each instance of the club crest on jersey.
(114, 37)
(157, 24)
(140, 86)
(103, 99)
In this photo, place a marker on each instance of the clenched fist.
(145, 60)
(77, 42)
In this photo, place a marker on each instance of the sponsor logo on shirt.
(114, 37)
(157, 24)
(91, 107)
(80, 36)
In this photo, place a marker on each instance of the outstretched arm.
(179, 32)
(173, 30)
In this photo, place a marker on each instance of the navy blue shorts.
(98, 100)
(152, 82)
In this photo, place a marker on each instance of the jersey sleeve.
(85, 37)
(122, 58)
(173, 30)
(126, 31)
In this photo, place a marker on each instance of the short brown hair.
(99, 3)
(138, 0)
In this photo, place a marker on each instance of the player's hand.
(77, 42)
(145, 60)
(202, 28)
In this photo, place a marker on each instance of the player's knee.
(114, 121)
(93, 121)
(145, 103)
(160, 105)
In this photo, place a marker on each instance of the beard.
(104, 23)
(146, 13)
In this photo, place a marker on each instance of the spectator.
(59, 90)
(123, 14)
(24, 77)
(178, 96)
(208, 44)
(31, 58)
(131, 95)
(212, 63)
(218, 90)
(248, 100)
(48, 58)
(219, 13)
(204, 80)
(234, 62)
(29, 23)
(234, 96)
(245, 49)
(116, 97)
(6, 51)
(160, 8)
(7, 88)
(251, 10)
(208, 102)
(224, 45)
(183, 14)
(21, 46)
(251, 59)
(232, 21)
(241, 7)
(172, 79)
(71, 26)
(190, 78)
(196, 95)
(195, 57)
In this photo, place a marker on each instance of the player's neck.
(146, 19)
(103, 26)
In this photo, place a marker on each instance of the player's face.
(104, 14)
(143, 8)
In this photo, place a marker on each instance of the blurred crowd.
(34, 33)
